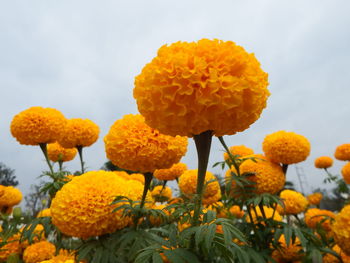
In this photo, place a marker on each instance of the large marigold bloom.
(315, 198)
(79, 132)
(289, 253)
(12, 246)
(131, 144)
(341, 229)
(315, 216)
(342, 152)
(172, 173)
(161, 194)
(190, 88)
(323, 162)
(258, 216)
(240, 150)
(345, 172)
(10, 197)
(286, 147)
(82, 208)
(294, 202)
(37, 125)
(38, 252)
(57, 153)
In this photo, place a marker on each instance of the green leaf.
(156, 258)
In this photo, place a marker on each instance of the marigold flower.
(323, 162)
(82, 208)
(12, 246)
(289, 253)
(315, 216)
(190, 88)
(341, 229)
(345, 172)
(40, 251)
(79, 132)
(37, 125)
(219, 209)
(329, 258)
(10, 197)
(133, 145)
(211, 199)
(342, 152)
(240, 150)
(269, 212)
(57, 153)
(157, 221)
(236, 211)
(172, 173)
(286, 147)
(315, 198)
(44, 213)
(294, 203)
(161, 194)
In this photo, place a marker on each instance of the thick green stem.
(60, 164)
(285, 168)
(221, 139)
(44, 150)
(203, 144)
(148, 180)
(80, 151)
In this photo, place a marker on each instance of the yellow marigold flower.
(314, 216)
(82, 208)
(12, 246)
(288, 253)
(342, 152)
(131, 144)
(172, 173)
(10, 197)
(37, 125)
(211, 199)
(160, 194)
(236, 211)
(219, 208)
(345, 172)
(134, 176)
(79, 132)
(57, 153)
(188, 184)
(40, 251)
(190, 88)
(240, 150)
(269, 212)
(294, 202)
(45, 212)
(315, 198)
(286, 147)
(64, 256)
(323, 162)
(329, 258)
(341, 229)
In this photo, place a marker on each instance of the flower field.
(149, 207)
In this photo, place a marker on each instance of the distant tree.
(36, 200)
(7, 176)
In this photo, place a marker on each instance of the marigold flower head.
(342, 152)
(38, 252)
(315, 198)
(190, 88)
(57, 153)
(236, 211)
(286, 147)
(44, 213)
(37, 125)
(341, 229)
(172, 173)
(11, 196)
(315, 216)
(211, 199)
(288, 253)
(240, 150)
(12, 246)
(294, 203)
(345, 172)
(161, 194)
(270, 213)
(131, 144)
(82, 208)
(323, 162)
(329, 258)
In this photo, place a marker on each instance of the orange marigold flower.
(342, 152)
(219, 209)
(64, 256)
(294, 203)
(158, 220)
(341, 229)
(161, 194)
(57, 153)
(10, 196)
(329, 258)
(38, 252)
(211, 199)
(345, 172)
(172, 173)
(289, 253)
(79, 132)
(323, 162)
(315, 216)
(190, 88)
(315, 198)
(37, 125)
(131, 144)
(82, 208)
(240, 150)
(12, 246)
(286, 147)
(258, 216)
(44, 213)
(236, 211)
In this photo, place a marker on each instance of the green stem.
(285, 168)
(262, 211)
(164, 184)
(60, 164)
(80, 151)
(43, 147)
(221, 139)
(274, 211)
(148, 180)
(203, 144)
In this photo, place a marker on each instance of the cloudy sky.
(81, 57)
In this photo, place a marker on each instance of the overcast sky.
(81, 57)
